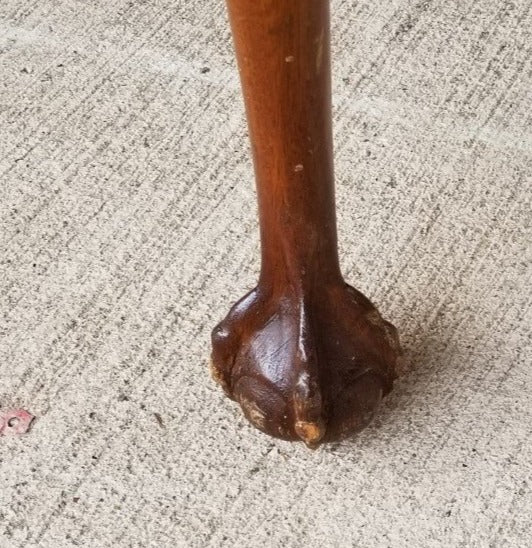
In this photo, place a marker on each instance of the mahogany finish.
(307, 356)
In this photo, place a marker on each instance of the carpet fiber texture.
(128, 227)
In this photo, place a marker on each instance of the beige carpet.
(128, 227)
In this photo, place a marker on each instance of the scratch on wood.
(319, 54)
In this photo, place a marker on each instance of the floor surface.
(128, 227)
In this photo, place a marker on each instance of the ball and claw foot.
(312, 367)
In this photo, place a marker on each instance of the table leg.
(307, 356)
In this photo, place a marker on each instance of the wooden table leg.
(307, 356)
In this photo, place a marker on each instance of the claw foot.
(312, 367)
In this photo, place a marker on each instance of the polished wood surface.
(307, 356)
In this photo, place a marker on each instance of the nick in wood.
(307, 356)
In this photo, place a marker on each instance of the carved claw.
(311, 369)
